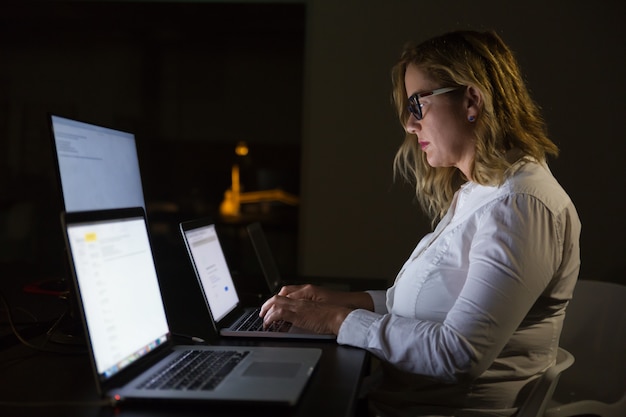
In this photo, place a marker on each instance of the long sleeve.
(494, 279)
(380, 301)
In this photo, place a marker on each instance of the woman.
(475, 313)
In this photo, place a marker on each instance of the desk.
(28, 376)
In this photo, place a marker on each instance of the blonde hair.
(509, 118)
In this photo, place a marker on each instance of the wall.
(355, 221)
(189, 79)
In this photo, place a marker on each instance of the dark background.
(189, 79)
(307, 85)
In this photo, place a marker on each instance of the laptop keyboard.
(254, 323)
(195, 370)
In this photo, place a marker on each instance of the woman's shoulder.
(529, 178)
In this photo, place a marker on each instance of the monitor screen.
(98, 167)
(113, 263)
(209, 261)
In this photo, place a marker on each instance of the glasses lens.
(415, 108)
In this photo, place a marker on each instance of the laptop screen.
(210, 264)
(98, 167)
(118, 289)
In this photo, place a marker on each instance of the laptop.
(265, 257)
(97, 167)
(231, 317)
(131, 347)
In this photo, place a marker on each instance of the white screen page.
(99, 167)
(210, 263)
(119, 290)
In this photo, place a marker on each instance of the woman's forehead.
(416, 80)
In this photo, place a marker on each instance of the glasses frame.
(415, 107)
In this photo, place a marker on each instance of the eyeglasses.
(415, 107)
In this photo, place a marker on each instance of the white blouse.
(476, 311)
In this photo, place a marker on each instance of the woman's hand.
(353, 300)
(316, 316)
(309, 292)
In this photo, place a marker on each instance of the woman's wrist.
(340, 316)
(360, 300)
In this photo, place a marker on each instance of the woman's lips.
(424, 145)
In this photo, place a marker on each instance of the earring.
(471, 119)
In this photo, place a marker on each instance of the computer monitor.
(97, 167)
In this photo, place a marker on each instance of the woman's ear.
(474, 100)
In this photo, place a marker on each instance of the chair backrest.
(594, 331)
(539, 397)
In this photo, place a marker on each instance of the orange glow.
(241, 149)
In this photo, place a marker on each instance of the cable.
(25, 342)
(34, 319)
(101, 403)
(192, 338)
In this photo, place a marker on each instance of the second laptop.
(230, 316)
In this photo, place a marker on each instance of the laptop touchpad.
(273, 369)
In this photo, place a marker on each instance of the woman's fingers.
(317, 317)
(278, 308)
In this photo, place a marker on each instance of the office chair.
(594, 331)
(540, 395)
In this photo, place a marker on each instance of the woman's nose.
(412, 125)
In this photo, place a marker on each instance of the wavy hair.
(509, 118)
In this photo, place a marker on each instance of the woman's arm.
(314, 308)
(513, 257)
(352, 300)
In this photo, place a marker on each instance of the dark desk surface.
(52, 384)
